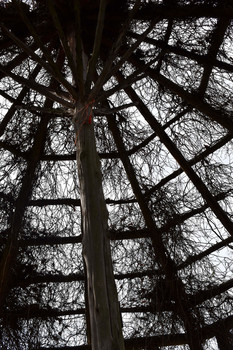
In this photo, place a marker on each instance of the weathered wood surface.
(105, 319)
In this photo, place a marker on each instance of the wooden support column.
(102, 301)
(104, 312)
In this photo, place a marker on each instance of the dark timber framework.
(144, 86)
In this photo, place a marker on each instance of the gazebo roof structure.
(159, 88)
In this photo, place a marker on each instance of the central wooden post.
(104, 312)
(105, 319)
